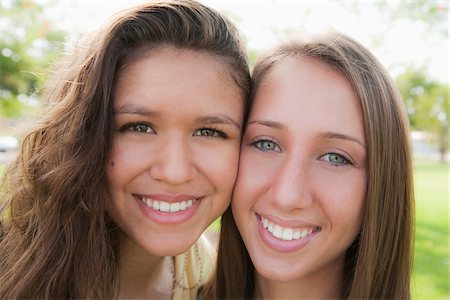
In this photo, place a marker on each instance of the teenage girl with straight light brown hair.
(323, 206)
(136, 155)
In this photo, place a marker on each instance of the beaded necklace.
(177, 283)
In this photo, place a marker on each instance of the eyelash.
(346, 161)
(257, 144)
(216, 133)
(133, 126)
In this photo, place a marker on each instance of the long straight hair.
(378, 264)
(56, 239)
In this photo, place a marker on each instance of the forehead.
(163, 60)
(306, 77)
(306, 91)
(171, 78)
(304, 70)
(166, 55)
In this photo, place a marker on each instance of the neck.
(143, 275)
(324, 284)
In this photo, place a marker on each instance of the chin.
(170, 249)
(170, 246)
(277, 275)
(279, 271)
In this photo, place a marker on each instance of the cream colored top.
(193, 269)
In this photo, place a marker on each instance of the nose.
(292, 188)
(173, 164)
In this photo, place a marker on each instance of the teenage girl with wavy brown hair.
(135, 156)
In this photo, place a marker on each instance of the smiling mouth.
(167, 207)
(287, 233)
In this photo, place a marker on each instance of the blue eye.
(210, 132)
(266, 145)
(335, 159)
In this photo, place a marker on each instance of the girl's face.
(302, 176)
(178, 119)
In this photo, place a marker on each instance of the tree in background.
(426, 99)
(427, 102)
(28, 43)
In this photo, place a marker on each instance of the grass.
(431, 263)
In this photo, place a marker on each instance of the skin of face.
(174, 159)
(302, 170)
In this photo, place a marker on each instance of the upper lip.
(169, 197)
(287, 223)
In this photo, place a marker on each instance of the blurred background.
(411, 38)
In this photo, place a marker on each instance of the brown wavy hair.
(379, 262)
(56, 239)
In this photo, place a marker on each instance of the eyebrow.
(329, 135)
(340, 136)
(139, 110)
(219, 119)
(271, 124)
(136, 110)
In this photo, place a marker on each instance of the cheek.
(254, 178)
(114, 167)
(126, 160)
(220, 165)
(343, 199)
(111, 166)
(114, 179)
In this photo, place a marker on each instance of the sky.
(405, 41)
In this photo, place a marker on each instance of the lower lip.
(166, 217)
(282, 245)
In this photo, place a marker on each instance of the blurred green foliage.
(426, 99)
(28, 44)
(426, 102)
(434, 14)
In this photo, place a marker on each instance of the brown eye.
(209, 132)
(142, 128)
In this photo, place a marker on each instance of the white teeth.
(287, 234)
(155, 205)
(277, 231)
(174, 207)
(304, 233)
(166, 206)
(183, 205)
(265, 223)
